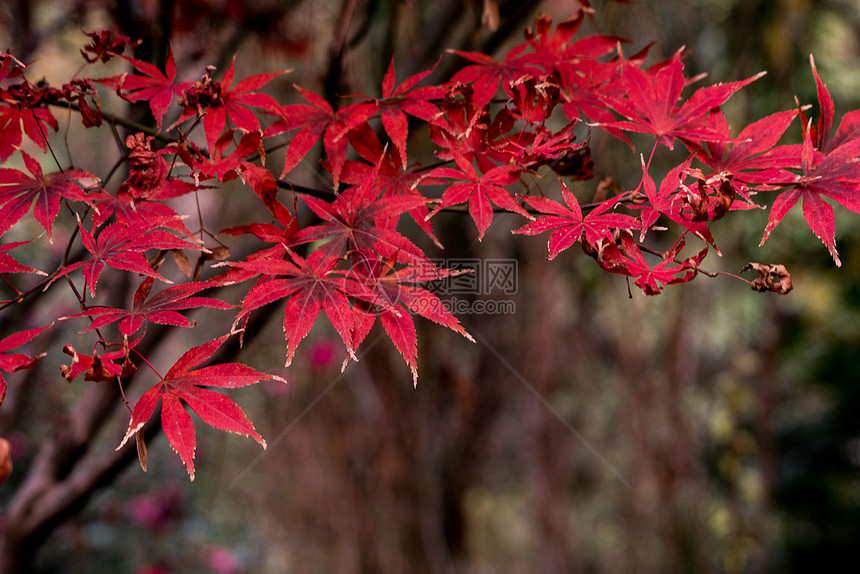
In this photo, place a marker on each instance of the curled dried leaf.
(141, 450)
(105, 45)
(220, 253)
(576, 163)
(490, 15)
(5, 459)
(182, 262)
(698, 202)
(725, 197)
(713, 197)
(607, 187)
(775, 278)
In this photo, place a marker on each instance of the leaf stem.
(148, 364)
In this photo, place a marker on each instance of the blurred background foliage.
(710, 429)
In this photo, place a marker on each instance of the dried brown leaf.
(775, 278)
(141, 450)
(5, 459)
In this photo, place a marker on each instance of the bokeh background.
(710, 429)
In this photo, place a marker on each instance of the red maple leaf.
(580, 83)
(831, 170)
(650, 103)
(11, 67)
(11, 362)
(480, 191)
(484, 74)
(539, 146)
(319, 119)
(391, 178)
(122, 247)
(269, 232)
(19, 191)
(359, 219)
(17, 118)
(162, 308)
(310, 285)
(406, 99)
(221, 165)
(837, 176)
(138, 214)
(10, 265)
(222, 102)
(669, 201)
(229, 166)
(554, 46)
(181, 385)
(652, 279)
(568, 225)
(849, 126)
(463, 128)
(393, 299)
(664, 201)
(752, 157)
(153, 86)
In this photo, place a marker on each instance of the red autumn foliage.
(350, 261)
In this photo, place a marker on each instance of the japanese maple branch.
(119, 120)
(697, 269)
(47, 280)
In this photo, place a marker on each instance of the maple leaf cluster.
(495, 126)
